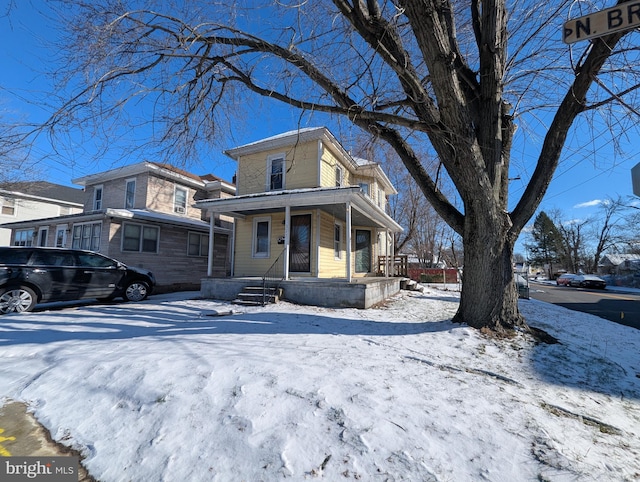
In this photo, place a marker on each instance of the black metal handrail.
(273, 276)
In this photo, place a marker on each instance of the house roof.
(135, 214)
(331, 199)
(44, 190)
(206, 181)
(617, 259)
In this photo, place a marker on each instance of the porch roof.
(332, 200)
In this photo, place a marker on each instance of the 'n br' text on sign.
(614, 19)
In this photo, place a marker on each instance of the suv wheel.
(17, 300)
(136, 291)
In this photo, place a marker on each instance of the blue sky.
(580, 181)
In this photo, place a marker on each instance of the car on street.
(32, 275)
(564, 279)
(588, 281)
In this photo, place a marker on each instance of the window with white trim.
(198, 244)
(130, 194)
(339, 176)
(261, 237)
(364, 187)
(275, 173)
(87, 236)
(140, 237)
(180, 200)
(337, 241)
(8, 206)
(23, 237)
(97, 198)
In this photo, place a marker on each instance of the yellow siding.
(328, 170)
(330, 267)
(245, 263)
(301, 170)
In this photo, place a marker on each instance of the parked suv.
(31, 275)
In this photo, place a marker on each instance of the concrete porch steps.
(253, 296)
(410, 285)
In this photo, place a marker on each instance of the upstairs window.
(275, 180)
(364, 187)
(339, 176)
(97, 198)
(180, 201)
(8, 206)
(130, 194)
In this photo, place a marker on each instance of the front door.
(300, 244)
(363, 251)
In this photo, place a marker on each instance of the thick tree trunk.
(489, 296)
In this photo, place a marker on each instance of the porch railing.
(400, 265)
(272, 278)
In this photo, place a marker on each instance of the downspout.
(287, 239)
(211, 242)
(348, 241)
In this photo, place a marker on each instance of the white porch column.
(211, 243)
(348, 240)
(287, 239)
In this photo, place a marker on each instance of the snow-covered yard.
(180, 389)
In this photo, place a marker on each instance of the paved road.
(616, 306)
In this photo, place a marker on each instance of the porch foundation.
(334, 293)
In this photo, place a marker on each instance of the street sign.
(621, 17)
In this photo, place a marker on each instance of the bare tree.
(452, 76)
(607, 229)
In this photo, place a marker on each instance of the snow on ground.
(177, 388)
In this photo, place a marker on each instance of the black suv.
(31, 275)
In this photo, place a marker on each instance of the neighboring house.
(20, 201)
(306, 208)
(619, 264)
(143, 215)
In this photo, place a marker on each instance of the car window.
(94, 261)
(14, 256)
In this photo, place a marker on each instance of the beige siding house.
(143, 215)
(308, 209)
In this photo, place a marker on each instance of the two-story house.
(308, 208)
(143, 215)
(24, 200)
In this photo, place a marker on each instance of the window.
(8, 206)
(87, 236)
(337, 241)
(97, 198)
(338, 176)
(275, 179)
(138, 237)
(364, 187)
(180, 200)
(23, 237)
(261, 235)
(198, 244)
(61, 236)
(130, 194)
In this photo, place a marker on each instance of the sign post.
(621, 17)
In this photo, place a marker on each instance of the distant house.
(310, 211)
(619, 264)
(143, 215)
(20, 201)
